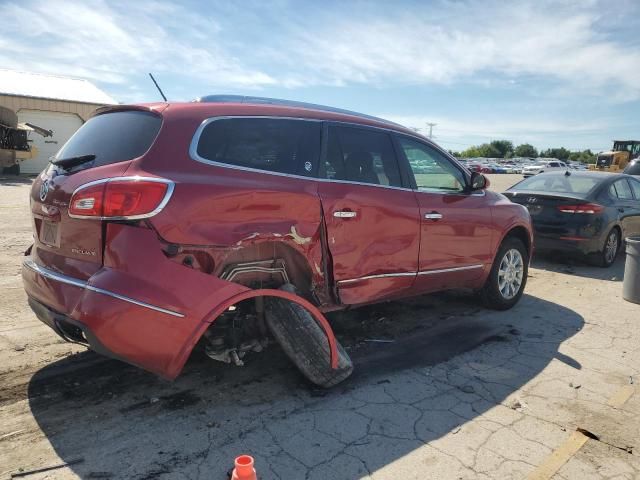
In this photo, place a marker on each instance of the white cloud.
(292, 44)
(110, 42)
(448, 42)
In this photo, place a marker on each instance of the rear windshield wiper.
(72, 161)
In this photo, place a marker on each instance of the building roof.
(52, 87)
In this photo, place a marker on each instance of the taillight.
(581, 208)
(126, 198)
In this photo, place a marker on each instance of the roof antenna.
(158, 87)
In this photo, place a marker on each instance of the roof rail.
(287, 103)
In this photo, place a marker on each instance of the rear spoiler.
(140, 107)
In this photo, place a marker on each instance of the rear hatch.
(102, 148)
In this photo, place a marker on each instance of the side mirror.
(478, 181)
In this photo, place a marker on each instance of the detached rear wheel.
(305, 342)
(508, 276)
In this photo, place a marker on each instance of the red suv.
(161, 226)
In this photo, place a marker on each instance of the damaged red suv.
(230, 220)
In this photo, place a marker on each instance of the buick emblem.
(44, 189)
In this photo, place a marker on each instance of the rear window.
(559, 184)
(275, 145)
(113, 137)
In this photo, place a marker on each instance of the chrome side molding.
(410, 274)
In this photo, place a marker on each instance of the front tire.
(508, 276)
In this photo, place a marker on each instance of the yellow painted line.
(621, 396)
(559, 457)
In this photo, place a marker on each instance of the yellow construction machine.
(617, 159)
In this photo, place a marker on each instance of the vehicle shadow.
(562, 263)
(424, 368)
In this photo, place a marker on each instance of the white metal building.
(60, 104)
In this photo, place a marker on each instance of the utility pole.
(431, 125)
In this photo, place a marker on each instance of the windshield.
(113, 137)
(559, 184)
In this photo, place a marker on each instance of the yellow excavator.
(616, 160)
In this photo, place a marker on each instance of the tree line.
(506, 149)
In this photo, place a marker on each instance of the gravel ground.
(461, 392)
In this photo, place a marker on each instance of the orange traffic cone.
(244, 468)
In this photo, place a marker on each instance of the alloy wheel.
(510, 274)
(611, 247)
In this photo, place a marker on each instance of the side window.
(635, 186)
(361, 155)
(274, 145)
(621, 190)
(431, 169)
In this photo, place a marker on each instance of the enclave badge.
(44, 189)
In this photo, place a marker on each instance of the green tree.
(504, 147)
(485, 150)
(559, 153)
(526, 150)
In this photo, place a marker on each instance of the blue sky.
(563, 73)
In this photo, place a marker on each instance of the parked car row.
(524, 166)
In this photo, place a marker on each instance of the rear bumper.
(141, 307)
(69, 329)
(584, 246)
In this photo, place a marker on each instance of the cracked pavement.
(461, 392)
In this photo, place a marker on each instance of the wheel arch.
(522, 233)
(180, 360)
(242, 266)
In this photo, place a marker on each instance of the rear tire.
(305, 342)
(610, 250)
(508, 276)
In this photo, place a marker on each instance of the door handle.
(345, 214)
(433, 216)
(621, 209)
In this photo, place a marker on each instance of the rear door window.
(361, 155)
(113, 137)
(269, 144)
